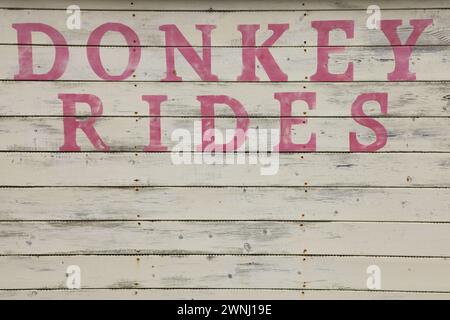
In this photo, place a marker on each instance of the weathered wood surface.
(370, 63)
(317, 204)
(156, 169)
(132, 133)
(300, 33)
(280, 272)
(218, 294)
(420, 99)
(226, 231)
(263, 237)
(207, 5)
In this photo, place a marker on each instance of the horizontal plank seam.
(222, 46)
(233, 82)
(90, 221)
(411, 117)
(294, 9)
(223, 186)
(442, 81)
(131, 150)
(193, 254)
(137, 152)
(231, 289)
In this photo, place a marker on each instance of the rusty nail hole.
(408, 179)
(304, 251)
(137, 259)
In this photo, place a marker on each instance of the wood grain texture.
(420, 99)
(156, 169)
(264, 237)
(207, 5)
(226, 231)
(220, 294)
(362, 204)
(280, 272)
(300, 32)
(370, 63)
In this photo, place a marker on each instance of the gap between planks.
(223, 10)
(193, 254)
(87, 221)
(217, 46)
(230, 288)
(4, 80)
(221, 186)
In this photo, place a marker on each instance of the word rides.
(242, 121)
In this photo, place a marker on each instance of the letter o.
(93, 50)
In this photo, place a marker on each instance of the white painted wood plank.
(344, 238)
(222, 5)
(370, 63)
(219, 294)
(332, 99)
(300, 33)
(366, 204)
(156, 169)
(132, 134)
(281, 272)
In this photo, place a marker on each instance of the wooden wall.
(140, 227)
